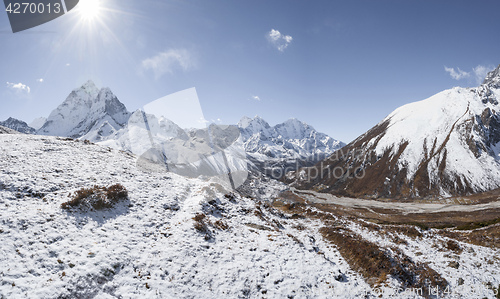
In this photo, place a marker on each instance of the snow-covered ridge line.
(98, 116)
(448, 144)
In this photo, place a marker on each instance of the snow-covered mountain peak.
(294, 129)
(445, 145)
(244, 122)
(493, 78)
(89, 87)
(88, 112)
(256, 125)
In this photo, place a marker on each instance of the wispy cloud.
(255, 98)
(477, 74)
(19, 88)
(278, 40)
(481, 71)
(457, 74)
(168, 61)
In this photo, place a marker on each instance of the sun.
(89, 9)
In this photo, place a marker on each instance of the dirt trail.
(405, 207)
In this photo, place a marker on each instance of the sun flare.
(89, 9)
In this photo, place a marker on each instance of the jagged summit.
(291, 141)
(89, 86)
(87, 112)
(255, 123)
(493, 78)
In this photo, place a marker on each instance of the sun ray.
(89, 10)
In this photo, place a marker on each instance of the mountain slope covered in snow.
(88, 113)
(286, 146)
(175, 237)
(5, 130)
(448, 144)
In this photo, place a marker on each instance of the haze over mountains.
(448, 144)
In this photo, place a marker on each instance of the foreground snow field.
(179, 238)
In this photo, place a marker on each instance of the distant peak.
(244, 122)
(105, 90)
(89, 84)
(294, 120)
(259, 120)
(493, 78)
(90, 88)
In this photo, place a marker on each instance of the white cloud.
(67, 64)
(168, 61)
(39, 80)
(481, 71)
(458, 74)
(477, 74)
(256, 98)
(280, 41)
(19, 88)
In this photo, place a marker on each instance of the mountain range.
(17, 125)
(446, 145)
(97, 115)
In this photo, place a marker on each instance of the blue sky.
(340, 66)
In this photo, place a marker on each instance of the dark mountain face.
(17, 125)
(446, 145)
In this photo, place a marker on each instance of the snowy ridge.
(17, 125)
(289, 145)
(292, 139)
(5, 130)
(445, 145)
(97, 115)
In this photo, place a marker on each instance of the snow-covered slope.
(146, 247)
(5, 130)
(17, 125)
(87, 113)
(176, 237)
(289, 144)
(448, 144)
